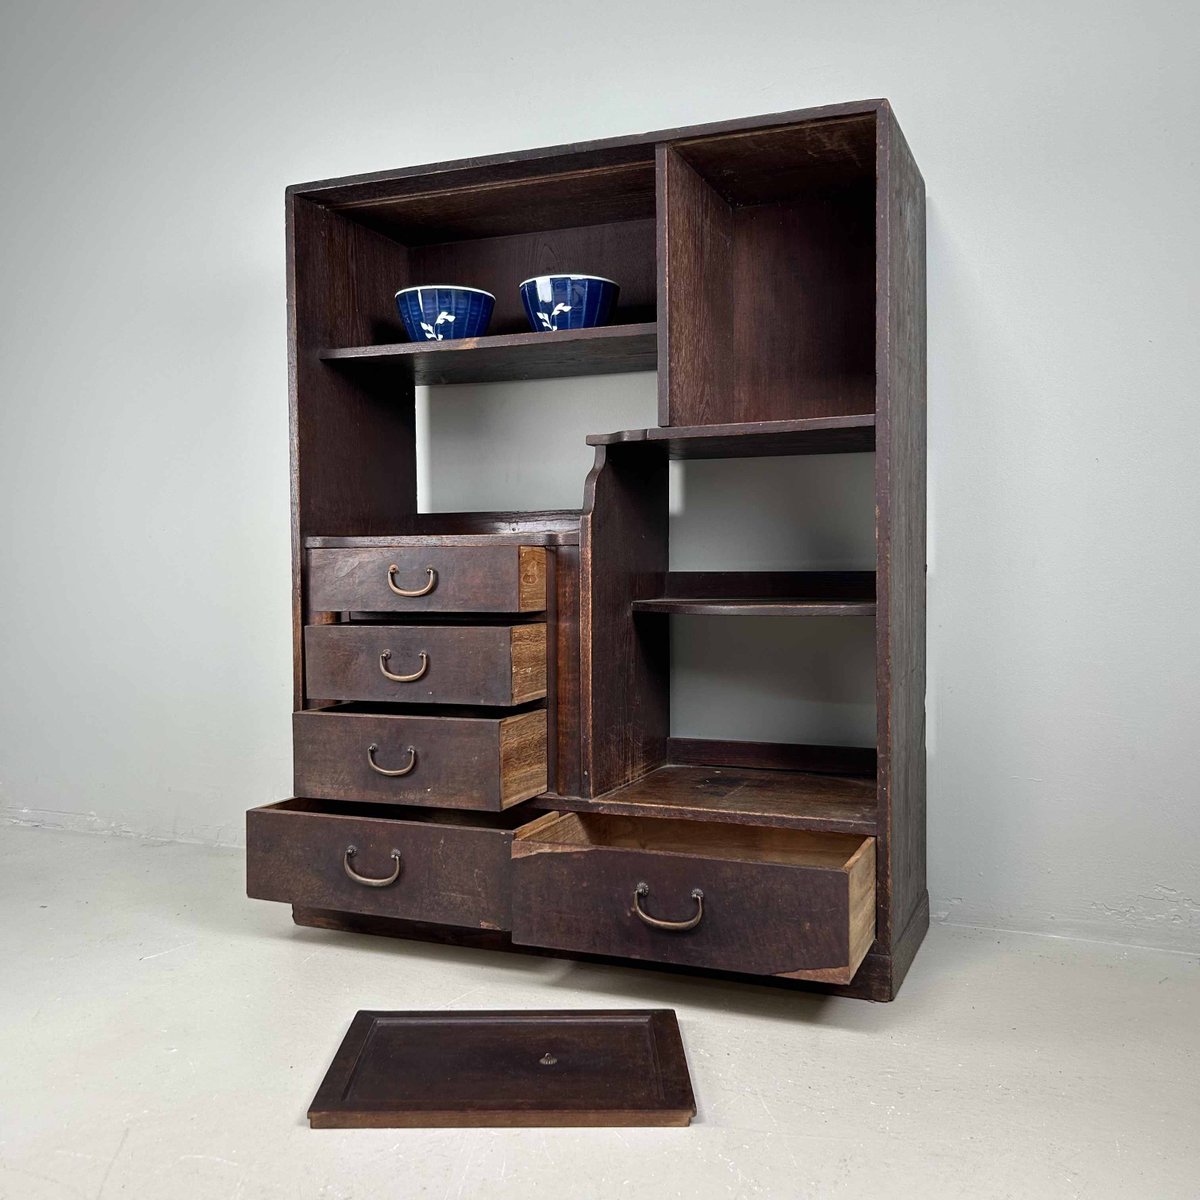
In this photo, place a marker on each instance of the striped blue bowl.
(554, 302)
(444, 313)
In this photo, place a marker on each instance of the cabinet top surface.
(604, 151)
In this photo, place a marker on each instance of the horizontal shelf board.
(605, 350)
(698, 606)
(777, 799)
(754, 439)
(764, 594)
(555, 527)
(770, 585)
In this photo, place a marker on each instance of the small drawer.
(759, 901)
(449, 870)
(428, 579)
(452, 761)
(500, 665)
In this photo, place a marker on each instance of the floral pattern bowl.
(444, 312)
(554, 302)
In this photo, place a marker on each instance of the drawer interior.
(700, 839)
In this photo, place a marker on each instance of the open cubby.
(772, 272)
(815, 513)
(492, 235)
(477, 441)
(770, 243)
(783, 681)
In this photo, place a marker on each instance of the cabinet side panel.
(564, 706)
(695, 353)
(353, 453)
(900, 490)
(624, 662)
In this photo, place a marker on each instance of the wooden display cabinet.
(483, 741)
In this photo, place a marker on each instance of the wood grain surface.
(465, 664)
(484, 577)
(512, 1069)
(450, 873)
(454, 761)
(606, 350)
(739, 796)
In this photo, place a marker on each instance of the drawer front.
(446, 762)
(500, 665)
(762, 918)
(428, 579)
(445, 874)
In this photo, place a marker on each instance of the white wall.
(143, 452)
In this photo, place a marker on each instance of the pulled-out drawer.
(470, 758)
(501, 665)
(452, 869)
(428, 579)
(732, 898)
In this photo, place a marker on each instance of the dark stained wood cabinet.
(483, 743)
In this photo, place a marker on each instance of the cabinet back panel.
(803, 307)
(622, 251)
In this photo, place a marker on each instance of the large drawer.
(731, 898)
(452, 870)
(428, 579)
(460, 760)
(499, 665)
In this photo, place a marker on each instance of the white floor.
(161, 1036)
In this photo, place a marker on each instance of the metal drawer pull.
(406, 770)
(365, 880)
(383, 658)
(643, 889)
(422, 591)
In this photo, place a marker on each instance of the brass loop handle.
(405, 770)
(421, 591)
(643, 889)
(366, 880)
(386, 654)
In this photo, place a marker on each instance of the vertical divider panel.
(624, 664)
(565, 701)
(695, 321)
(900, 535)
(353, 451)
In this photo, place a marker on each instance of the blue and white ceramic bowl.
(554, 302)
(443, 313)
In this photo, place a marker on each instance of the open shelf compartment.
(484, 228)
(770, 274)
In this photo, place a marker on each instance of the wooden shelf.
(778, 799)
(697, 606)
(607, 350)
(555, 527)
(764, 594)
(754, 439)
